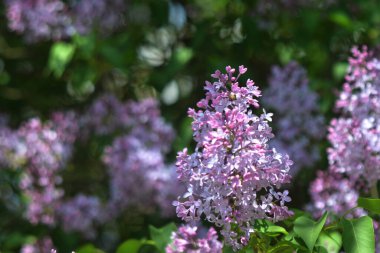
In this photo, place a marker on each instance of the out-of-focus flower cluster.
(354, 159)
(56, 19)
(299, 124)
(81, 214)
(334, 193)
(134, 161)
(43, 245)
(355, 137)
(187, 239)
(266, 11)
(47, 149)
(233, 177)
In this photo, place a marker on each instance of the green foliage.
(358, 235)
(330, 242)
(161, 236)
(370, 204)
(309, 230)
(89, 248)
(61, 54)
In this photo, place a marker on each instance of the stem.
(374, 192)
(348, 211)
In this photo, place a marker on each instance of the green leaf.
(339, 70)
(341, 18)
(130, 246)
(89, 248)
(61, 54)
(161, 236)
(358, 235)
(283, 247)
(270, 229)
(309, 230)
(330, 242)
(182, 55)
(372, 205)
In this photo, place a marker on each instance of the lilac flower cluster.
(233, 176)
(135, 161)
(11, 150)
(56, 19)
(266, 11)
(186, 240)
(81, 214)
(138, 173)
(299, 124)
(39, 19)
(334, 193)
(43, 245)
(129, 161)
(100, 14)
(354, 159)
(355, 137)
(47, 151)
(265, 6)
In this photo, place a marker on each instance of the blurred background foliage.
(167, 49)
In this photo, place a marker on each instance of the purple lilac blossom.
(167, 188)
(266, 6)
(81, 214)
(141, 119)
(43, 245)
(129, 161)
(355, 136)
(11, 149)
(233, 177)
(334, 193)
(299, 124)
(186, 239)
(102, 15)
(39, 19)
(267, 11)
(139, 176)
(48, 147)
(104, 116)
(55, 19)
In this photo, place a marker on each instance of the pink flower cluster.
(354, 159)
(186, 240)
(355, 137)
(139, 176)
(334, 193)
(233, 177)
(56, 19)
(81, 214)
(43, 245)
(48, 146)
(300, 124)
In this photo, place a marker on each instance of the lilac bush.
(233, 177)
(186, 239)
(299, 124)
(139, 177)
